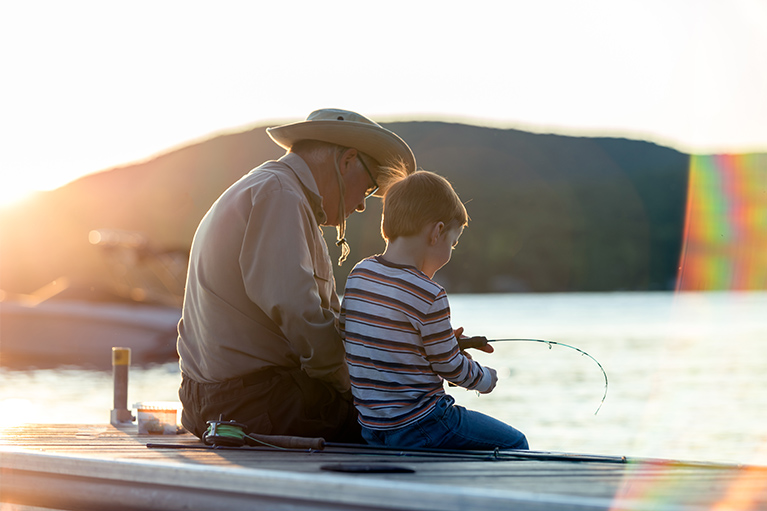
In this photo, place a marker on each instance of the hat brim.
(385, 146)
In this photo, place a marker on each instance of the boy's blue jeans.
(450, 426)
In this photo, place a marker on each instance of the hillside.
(548, 212)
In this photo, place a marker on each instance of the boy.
(395, 320)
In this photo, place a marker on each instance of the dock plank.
(90, 466)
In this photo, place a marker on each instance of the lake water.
(687, 375)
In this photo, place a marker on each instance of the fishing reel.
(222, 433)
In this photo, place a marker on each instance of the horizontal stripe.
(407, 284)
(397, 421)
(395, 303)
(390, 369)
(370, 342)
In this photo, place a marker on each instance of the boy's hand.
(478, 343)
(493, 378)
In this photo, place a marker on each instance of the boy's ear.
(435, 232)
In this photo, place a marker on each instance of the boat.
(71, 322)
(69, 332)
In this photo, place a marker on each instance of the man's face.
(360, 184)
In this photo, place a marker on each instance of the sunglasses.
(373, 189)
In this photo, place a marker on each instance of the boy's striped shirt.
(400, 344)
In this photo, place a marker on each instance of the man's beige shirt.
(260, 290)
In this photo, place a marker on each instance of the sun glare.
(12, 194)
(15, 190)
(15, 411)
(18, 187)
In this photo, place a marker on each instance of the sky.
(90, 85)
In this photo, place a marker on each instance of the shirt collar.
(305, 176)
(380, 258)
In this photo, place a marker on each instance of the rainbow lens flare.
(725, 239)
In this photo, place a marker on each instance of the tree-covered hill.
(548, 212)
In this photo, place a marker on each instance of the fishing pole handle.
(477, 342)
(290, 442)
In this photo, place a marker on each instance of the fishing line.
(550, 343)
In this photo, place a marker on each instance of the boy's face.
(443, 249)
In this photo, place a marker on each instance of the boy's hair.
(419, 199)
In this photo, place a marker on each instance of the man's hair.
(315, 151)
(417, 200)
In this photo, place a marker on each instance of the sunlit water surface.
(687, 375)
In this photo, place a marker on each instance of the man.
(258, 338)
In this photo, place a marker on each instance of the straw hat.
(348, 129)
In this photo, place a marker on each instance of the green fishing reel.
(222, 433)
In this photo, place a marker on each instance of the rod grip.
(291, 442)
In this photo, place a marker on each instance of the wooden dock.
(102, 467)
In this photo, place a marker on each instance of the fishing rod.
(488, 455)
(414, 453)
(402, 453)
(550, 343)
(230, 435)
